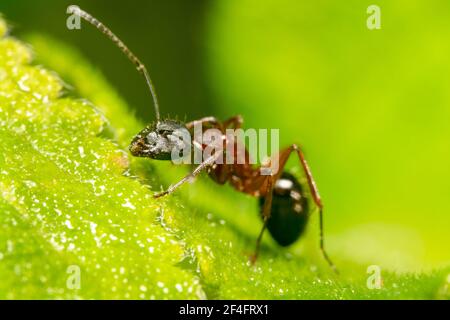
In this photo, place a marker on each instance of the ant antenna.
(107, 32)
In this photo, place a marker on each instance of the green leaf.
(71, 196)
(65, 200)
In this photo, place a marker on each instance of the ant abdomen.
(289, 212)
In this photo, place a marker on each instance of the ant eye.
(164, 132)
(152, 137)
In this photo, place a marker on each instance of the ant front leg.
(235, 122)
(211, 121)
(205, 164)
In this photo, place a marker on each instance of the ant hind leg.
(317, 201)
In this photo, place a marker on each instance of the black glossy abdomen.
(289, 213)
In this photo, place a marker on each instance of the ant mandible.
(284, 208)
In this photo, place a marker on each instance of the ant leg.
(236, 121)
(317, 200)
(206, 120)
(266, 212)
(322, 247)
(190, 176)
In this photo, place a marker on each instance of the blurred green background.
(370, 107)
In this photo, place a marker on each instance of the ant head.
(160, 139)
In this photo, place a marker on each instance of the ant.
(284, 207)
